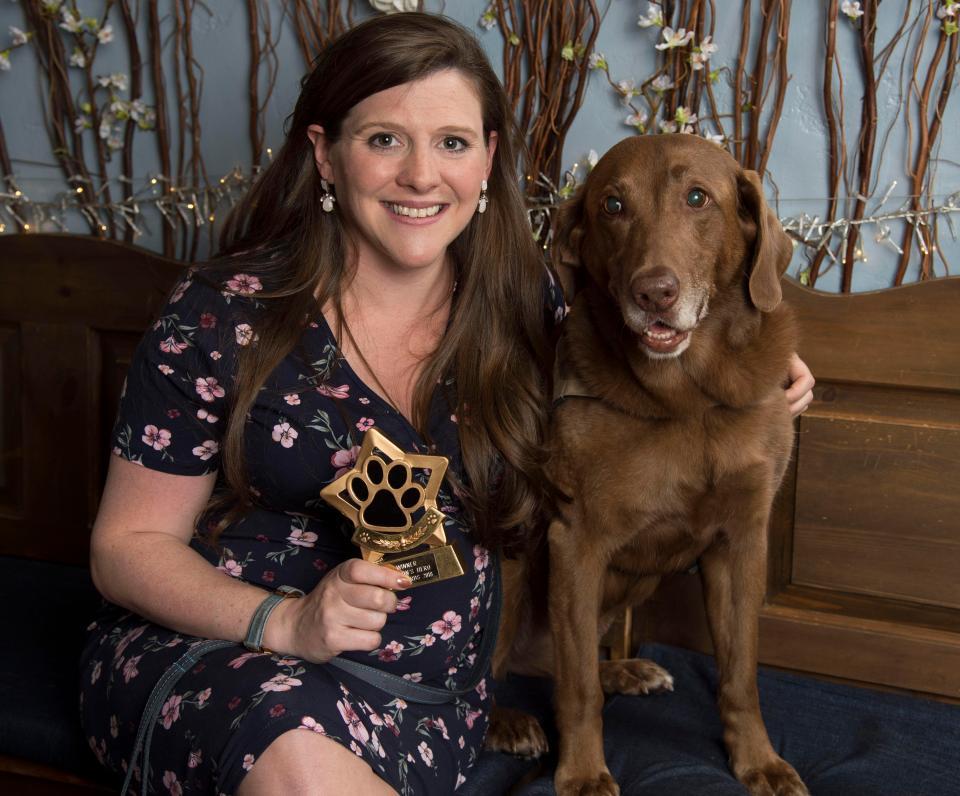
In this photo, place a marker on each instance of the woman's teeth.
(415, 212)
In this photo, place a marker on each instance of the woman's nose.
(419, 170)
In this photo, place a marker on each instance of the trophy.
(392, 513)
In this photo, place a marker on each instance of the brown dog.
(677, 347)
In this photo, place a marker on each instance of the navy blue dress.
(303, 431)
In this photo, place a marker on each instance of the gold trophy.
(394, 514)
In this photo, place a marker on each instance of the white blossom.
(667, 126)
(489, 19)
(654, 16)
(117, 80)
(675, 38)
(592, 158)
(5, 61)
(19, 37)
(114, 142)
(393, 6)
(685, 116)
(628, 90)
(78, 58)
(701, 54)
(638, 119)
(948, 9)
(105, 34)
(70, 23)
(851, 9)
(81, 123)
(715, 137)
(597, 61)
(106, 126)
(662, 83)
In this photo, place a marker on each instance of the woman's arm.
(140, 559)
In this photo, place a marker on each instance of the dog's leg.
(576, 578)
(733, 570)
(515, 732)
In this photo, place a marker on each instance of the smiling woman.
(380, 275)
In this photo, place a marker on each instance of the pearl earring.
(482, 205)
(326, 198)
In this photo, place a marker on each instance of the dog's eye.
(696, 198)
(612, 205)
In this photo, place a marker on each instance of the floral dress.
(303, 431)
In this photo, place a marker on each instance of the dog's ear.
(567, 237)
(772, 248)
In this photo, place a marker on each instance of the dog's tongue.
(660, 328)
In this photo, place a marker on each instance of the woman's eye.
(696, 198)
(612, 205)
(453, 144)
(384, 140)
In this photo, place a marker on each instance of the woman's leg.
(301, 763)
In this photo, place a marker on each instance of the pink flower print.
(280, 682)
(413, 677)
(170, 711)
(293, 399)
(215, 355)
(130, 668)
(474, 607)
(237, 662)
(203, 414)
(284, 434)
(364, 423)
(248, 761)
(195, 758)
(441, 725)
(114, 727)
(130, 635)
(231, 567)
(403, 604)
(171, 346)
(343, 391)
(446, 627)
(320, 565)
(156, 438)
(302, 538)
(209, 388)
(166, 370)
(310, 723)
(277, 711)
(203, 696)
(427, 640)
(461, 742)
(234, 703)
(471, 717)
(460, 780)
(481, 558)
(170, 783)
(173, 414)
(268, 576)
(481, 688)
(391, 725)
(207, 449)
(426, 753)
(352, 720)
(453, 419)
(344, 460)
(180, 290)
(377, 746)
(244, 284)
(208, 320)
(95, 674)
(364, 400)
(245, 334)
(390, 652)
(355, 747)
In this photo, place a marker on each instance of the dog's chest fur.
(657, 466)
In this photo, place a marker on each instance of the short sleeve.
(172, 410)
(554, 305)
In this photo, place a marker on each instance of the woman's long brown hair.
(496, 346)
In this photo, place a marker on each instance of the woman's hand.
(345, 612)
(799, 391)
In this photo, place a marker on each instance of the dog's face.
(666, 222)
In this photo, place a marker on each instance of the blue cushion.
(843, 740)
(46, 608)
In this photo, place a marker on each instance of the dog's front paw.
(634, 676)
(600, 785)
(777, 778)
(515, 732)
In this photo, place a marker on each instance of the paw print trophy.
(392, 513)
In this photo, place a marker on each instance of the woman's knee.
(302, 763)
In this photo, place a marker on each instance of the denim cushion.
(46, 608)
(843, 740)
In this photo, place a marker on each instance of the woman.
(381, 273)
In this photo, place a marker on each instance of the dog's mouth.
(661, 337)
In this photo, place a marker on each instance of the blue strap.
(391, 683)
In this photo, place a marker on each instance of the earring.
(327, 198)
(482, 206)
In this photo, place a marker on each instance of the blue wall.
(798, 169)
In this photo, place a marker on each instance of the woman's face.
(407, 169)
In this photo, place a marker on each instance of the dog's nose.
(656, 290)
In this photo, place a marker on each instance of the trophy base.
(428, 566)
